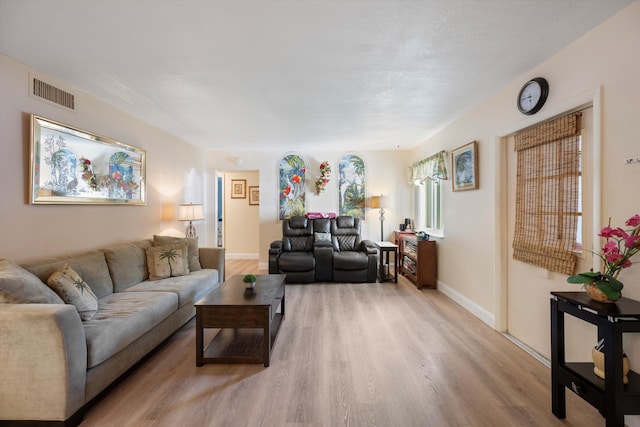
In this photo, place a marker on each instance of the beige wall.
(241, 220)
(386, 173)
(174, 173)
(603, 66)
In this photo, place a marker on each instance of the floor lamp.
(376, 203)
(190, 213)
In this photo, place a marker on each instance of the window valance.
(433, 167)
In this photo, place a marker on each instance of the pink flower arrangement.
(616, 255)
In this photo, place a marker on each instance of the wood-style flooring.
(348, 355)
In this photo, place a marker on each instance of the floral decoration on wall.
(325, 173)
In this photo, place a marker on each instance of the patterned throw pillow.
(73, 290)
(192, 247)
(167, 261)
(18, 286)
(322, 237)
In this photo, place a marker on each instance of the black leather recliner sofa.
(323, 250)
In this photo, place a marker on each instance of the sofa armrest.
(43, 354)
(368, 247)
(213, 258)
(276, 247)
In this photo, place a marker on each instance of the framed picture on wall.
(238, 188)
(73, 166)
(464, 162)
(254, 195)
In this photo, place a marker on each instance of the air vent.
(53, 94)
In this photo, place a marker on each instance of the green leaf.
(583, 278)
(608, 290)
(613, 282)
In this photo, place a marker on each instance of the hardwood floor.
(348, 355)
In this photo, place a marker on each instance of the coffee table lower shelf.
(243, 345)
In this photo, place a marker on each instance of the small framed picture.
(254, 195)
(238, 188)
(464, 162)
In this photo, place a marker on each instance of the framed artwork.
(73, 166)
(292, 171)
(254, 195)
(351, 186)
(464, 162)
(238, 188)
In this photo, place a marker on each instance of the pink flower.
(632, 241)
(612, 232)
(626, 264)
(634, 221)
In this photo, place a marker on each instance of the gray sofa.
(52, 363)
(323, 250)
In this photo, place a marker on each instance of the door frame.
(502, 243)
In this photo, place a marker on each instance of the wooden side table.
(385, 249)
(609, 396)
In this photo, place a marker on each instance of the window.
(426, 176)
(548, 200)
(428, 197)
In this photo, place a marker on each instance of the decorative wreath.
(325, 173)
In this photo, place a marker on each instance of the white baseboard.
(540, 358)
(242, 256)
(468, 305)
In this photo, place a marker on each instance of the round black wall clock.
(533, 95)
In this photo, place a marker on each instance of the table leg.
(266, 338)
(558, 392)
(199, 337)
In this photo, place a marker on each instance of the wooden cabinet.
(419, 262)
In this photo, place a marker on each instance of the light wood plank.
(348, 355)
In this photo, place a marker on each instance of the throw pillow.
(322, 237)
(167, 261)
(18, 286)
(192, 242)
(73, 290)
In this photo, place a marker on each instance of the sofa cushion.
(122, 318)
(73, 290)
(90, 266)
(192, 242)
(19, 286)
(189, 288)
(296, 261)
(127, 264)
(167, 261)
(348, 260)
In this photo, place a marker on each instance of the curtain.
(547, 194)
(434, 167)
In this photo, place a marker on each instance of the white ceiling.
(298, 74)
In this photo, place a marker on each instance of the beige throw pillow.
(167, 261)
(192, 242)
(73, 290)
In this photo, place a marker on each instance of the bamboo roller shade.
(547, 192)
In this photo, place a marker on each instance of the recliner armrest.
(275, 248)
(369, 247)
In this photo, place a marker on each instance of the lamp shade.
(375, 202)
(190, 212)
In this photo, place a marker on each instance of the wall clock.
(533, 95)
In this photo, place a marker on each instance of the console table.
(610, 396)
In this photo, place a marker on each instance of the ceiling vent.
(53, 94)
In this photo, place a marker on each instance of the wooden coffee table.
(249, 320)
